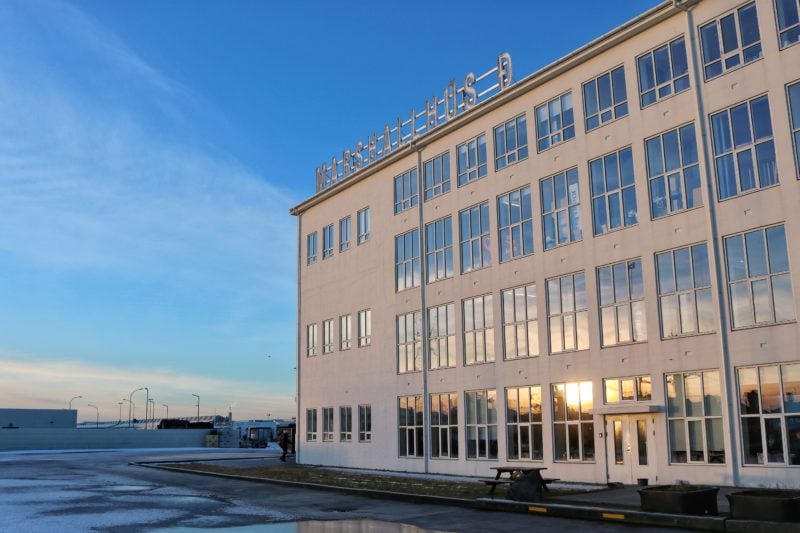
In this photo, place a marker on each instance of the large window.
(439, 249)
(444, 425)
(622, 308)
(744, 151)
(573, 425)
(327, 241)
(471, 160)
(481, 424)
(561, 209)
(555, 122)
(475, 242)
(673, 172)
(327, 424)
(409, 342)
(759, 281)
(515, 224)
(694, 418)
(730, 41)
(605, 98)
(613, 191)
(478, 330)
(520, 324)
(344, 234)
(663, 72)
(364, 327)
(311, 340)
(345, 332)
(311, 248)
(327, 336)
(684, 291)
(406, 192)
(442, 336)
(363, 225)
(311, 424)
(567, 314)
(769, 403)
(788, 12)
(628, 389)
(524, 423)
(793, 95)
(364, 423)
(407, 266)
(436, 175)
(510, 142)
(345, 423)
(410, 430)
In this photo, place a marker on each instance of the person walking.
(283, 442)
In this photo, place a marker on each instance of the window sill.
(569, 351)
(556, 145)
(732, 69)
(557, 246)
(675, 213)
(756, 326)
(616, 230)
(617, 119)
(664, 99)
(751, 191)
(519, 160)
(685, 335)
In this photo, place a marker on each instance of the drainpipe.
(296, 440)
(729, 379)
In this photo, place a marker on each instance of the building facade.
(591, 270)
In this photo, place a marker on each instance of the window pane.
(748, 391)
(769, 378)
(751, 441)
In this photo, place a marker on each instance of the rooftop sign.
(454, 101)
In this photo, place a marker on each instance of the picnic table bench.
(513, 473)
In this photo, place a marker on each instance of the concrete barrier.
(89, 439)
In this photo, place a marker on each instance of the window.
(663, 72)
(684, 292)
(409, 342)
(769, 406)
(311, 248)
(622, 308)
(410, 429)
(327, 241)
(475, 242)
(406, 194)
(694, 418)
(629, 389)
(327, 424)
(345, 423)
(794, 111)
(327, 336)
(510, 142)
(439, 249)
(520, 324)
(788, 12)
(363, 225)
(524, 423)
(573, 426)
(744, 153)
(478, 330)
(345, 332)
(567, 316)
(481, 424)
(406, 252)
(364, 328)
(364, 423)
(442, 336)
(554, 122)
(311, 340)
(759, 281)
(515, 224)
(344, 234)
(444, 425)
(613, 191)
(673, 172)
(471, 160)
(311, 424)
(605, 98)
(730, 41)
(561, 209)
(436, 174)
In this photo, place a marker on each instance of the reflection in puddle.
(127, 488)
(166, 499)
(315, 526)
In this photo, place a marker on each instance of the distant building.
(38, 418)
(595, 269)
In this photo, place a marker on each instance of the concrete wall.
(38, 418)
(88, 439)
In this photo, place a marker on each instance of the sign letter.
(503, 71)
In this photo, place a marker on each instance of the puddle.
(126, 488)
(313, 526)
(166, 500)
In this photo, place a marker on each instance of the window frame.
(441, 430)
(686, 170)
(618, 109)
(311, 425)
(534, 426)
(526, 326)
(345, 423)
(311, 339)
(519, 152)
(693, 290)
(481, 421)
(672, 82)
(363, 225)
(485, 333)
(328, 239)
(638, 396)
(794, 28)
(328, 428)
(628, 301)
(439, 249)
(565, 132)
(442, 186)
(578, 314)
(415, 429)
(364, 328)
(345, 233)
(446, 341)
(794, 125)
(404, 343)
(523, 226)
(345, 332)
(411, 266)
(607, 193)
(472, 150)
(738, 51)
(481, 243)
(365, 422)
(311, 248)
(701, 420)
(584, 422)
(571, 177)
(408, 182)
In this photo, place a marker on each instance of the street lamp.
(97, 420)
(167, 406)
(74, 398)
(198, 406)
(130, 401)
(146, 405)
(120, 413)
(152, 404)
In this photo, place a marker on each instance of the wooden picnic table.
(514, 472)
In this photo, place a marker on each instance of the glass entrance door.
(629, 444)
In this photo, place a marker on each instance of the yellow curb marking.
(537, 509)
(614, 516)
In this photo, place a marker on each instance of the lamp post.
(120, 413)
(146, 405)
(152, 403)
(198, 406)
(97, 420)
(130, 407)
(167, 406)
(73, 398)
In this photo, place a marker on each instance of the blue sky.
(150, 151)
